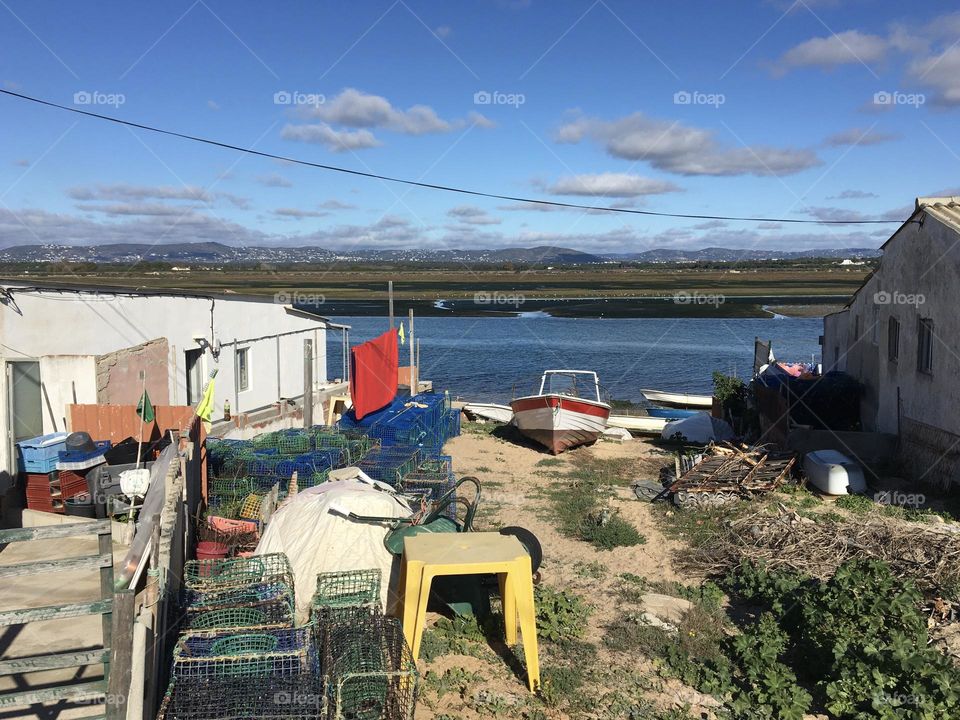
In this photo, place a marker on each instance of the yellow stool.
(431, 555)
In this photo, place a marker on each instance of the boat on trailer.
(680, 400)
(566, 412)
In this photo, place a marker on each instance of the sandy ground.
(512, 479)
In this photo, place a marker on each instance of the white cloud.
(831, 51)
(481, 121)
(354, 108)
(852, 195)
(213, 104)
(335, 140)
(298, 214)
(621, 185)
(334, 204)
(274, 180)
(123, 191)
(859, 136)
(710, 225)
(472, 215)
(684, 150)
(142, 209)
(940, 72)
(833, 214)
(444, 31)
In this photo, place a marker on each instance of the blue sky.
(812, 109)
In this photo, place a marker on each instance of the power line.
(431, 186)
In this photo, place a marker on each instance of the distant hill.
(218, 253)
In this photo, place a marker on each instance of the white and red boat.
(565, 413)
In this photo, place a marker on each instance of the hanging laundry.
(373, 373)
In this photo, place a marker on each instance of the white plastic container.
(834, 473)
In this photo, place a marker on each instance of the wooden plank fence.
(103, 606)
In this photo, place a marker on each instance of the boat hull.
(559, 422)
(678, 400)
(671, 413)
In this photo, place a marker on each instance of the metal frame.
(591, 373)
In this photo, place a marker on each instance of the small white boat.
(833, 472)
(566, 412)
(681, 400)
(489, 411)
(642, 424)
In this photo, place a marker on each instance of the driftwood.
(927, 554)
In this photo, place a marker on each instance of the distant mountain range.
(213, 253)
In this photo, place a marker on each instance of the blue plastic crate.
(76, 456)
(40, 454)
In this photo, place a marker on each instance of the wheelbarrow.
(464, 595)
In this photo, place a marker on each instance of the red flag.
(373, 373)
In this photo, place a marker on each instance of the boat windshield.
(571, 384)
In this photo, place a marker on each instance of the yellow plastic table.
(431, 555)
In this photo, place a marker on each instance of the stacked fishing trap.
(242, 472)
(369, 669)
(411, 433)
(242, 657)
(240, 654)
(399, 445)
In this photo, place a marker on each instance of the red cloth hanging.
(373, 373)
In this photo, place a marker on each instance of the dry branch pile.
(927, 554)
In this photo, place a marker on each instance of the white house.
(61, 345)
(900, 337)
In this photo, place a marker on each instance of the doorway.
(24, 402)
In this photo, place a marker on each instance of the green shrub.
(857, 504)
(858, 640)
(561, 615)
(615, 532)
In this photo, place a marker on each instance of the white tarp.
(317, 540)
(699, 429)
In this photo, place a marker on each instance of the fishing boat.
(640, 424)
(681, 400)
(489, 411)
(671, 413)
(566, 412)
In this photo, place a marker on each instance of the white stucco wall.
(918, 277)
(66, 330)
(66, 379)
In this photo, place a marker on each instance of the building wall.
(118, 374)
(919, 277)
(68, 331)
(65, 379)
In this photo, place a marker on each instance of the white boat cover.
(700, 429)
(317, 540)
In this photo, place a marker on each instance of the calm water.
(487, 359)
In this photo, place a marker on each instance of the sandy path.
(512, 479)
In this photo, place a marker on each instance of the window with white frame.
(243, 369)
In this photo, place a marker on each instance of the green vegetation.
(561, 616)
(855, 646)
(802, 282)
(579, 502)
(593, 569)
